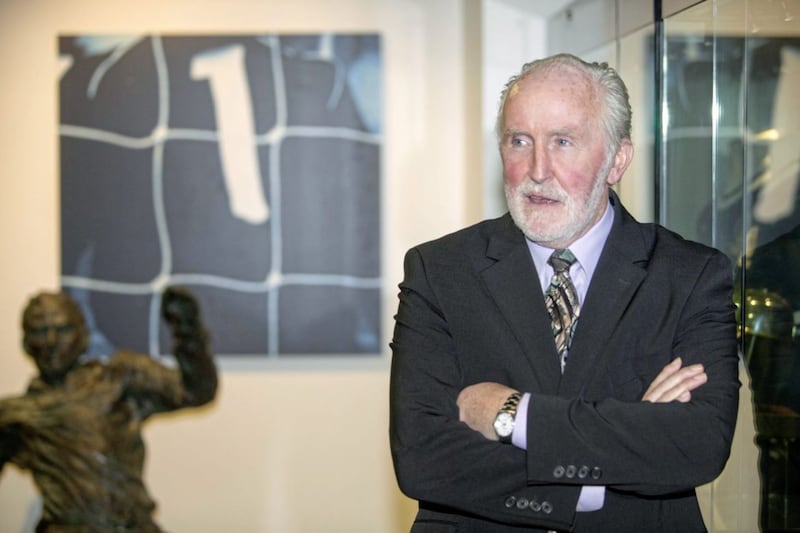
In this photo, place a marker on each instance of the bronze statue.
(78, 427)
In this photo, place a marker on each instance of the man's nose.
(540, 170)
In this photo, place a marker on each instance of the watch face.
(504, 424)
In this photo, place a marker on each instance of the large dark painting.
(244, 167)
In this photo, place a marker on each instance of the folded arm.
(478, 404)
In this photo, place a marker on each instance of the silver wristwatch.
(504, 421)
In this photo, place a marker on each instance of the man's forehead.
(572, 94)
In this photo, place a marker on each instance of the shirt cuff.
(519, 437)
(591, 499)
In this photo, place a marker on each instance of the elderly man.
(563, 367)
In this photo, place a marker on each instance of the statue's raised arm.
(190, 345)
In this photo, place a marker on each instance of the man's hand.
(675, 383)
(478, 405)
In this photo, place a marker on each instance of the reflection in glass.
(731, 169)
(771, 277)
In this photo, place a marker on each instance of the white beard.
(576, 216)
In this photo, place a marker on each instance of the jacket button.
(522, 503)
(597, 473)
(571, 470)
(547, 507)
(535, 506)
(558, 472)
(583, 472)
(510, 502)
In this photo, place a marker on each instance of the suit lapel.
(512, 282)
(616, 279)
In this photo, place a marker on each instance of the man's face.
(554, 150)
(52, 338)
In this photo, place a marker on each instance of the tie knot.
(561, 260)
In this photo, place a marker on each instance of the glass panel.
(771, 265)
(729, 177)
(687, 122)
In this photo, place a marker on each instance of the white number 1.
(224, 69)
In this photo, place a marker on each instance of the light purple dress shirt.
(587, 251)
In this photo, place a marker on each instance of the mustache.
(536, 189)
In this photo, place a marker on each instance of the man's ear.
(622, 159)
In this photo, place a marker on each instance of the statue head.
(55, 334)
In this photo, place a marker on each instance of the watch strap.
(510, 407)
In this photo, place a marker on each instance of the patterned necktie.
(562, 303)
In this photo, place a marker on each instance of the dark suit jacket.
(471, 310)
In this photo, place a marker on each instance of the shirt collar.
(586, 249)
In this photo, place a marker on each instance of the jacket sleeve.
(642, 447)
(437, 458)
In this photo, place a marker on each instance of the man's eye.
(563, 142)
